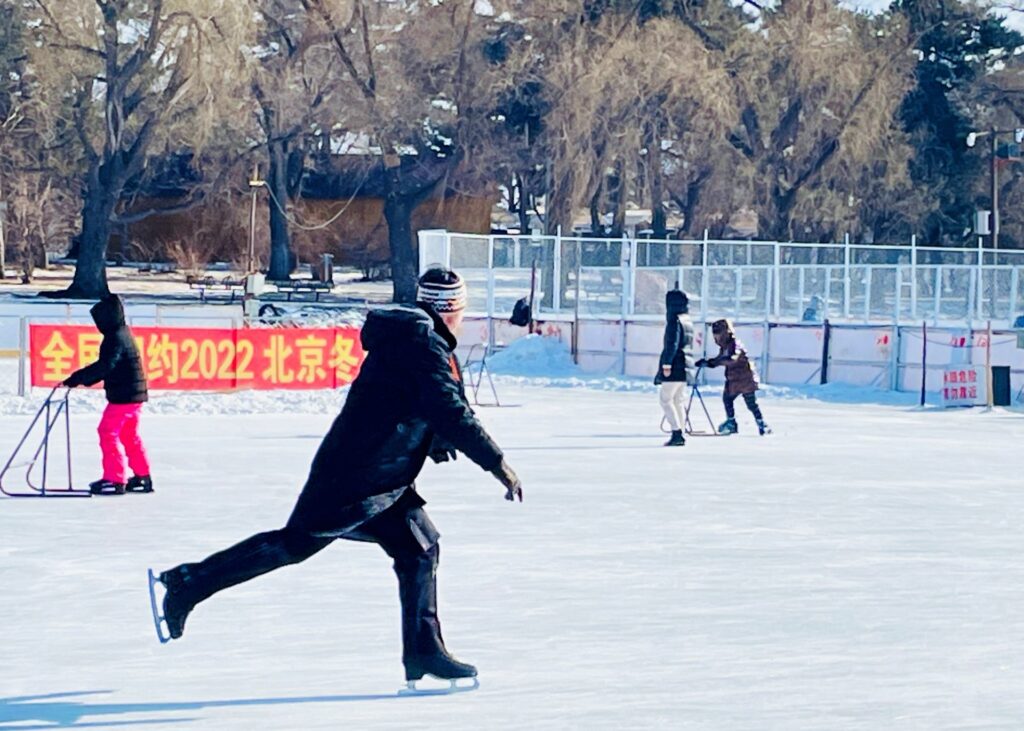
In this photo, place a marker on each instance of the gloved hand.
(508, 478)
(441, 450)
(702, 363)
(72, 380)
(443, 454)
(658, 379)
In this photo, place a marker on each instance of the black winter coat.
(119, 365)
(677, 350)
(408, 392)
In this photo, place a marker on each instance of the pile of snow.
(535, 356)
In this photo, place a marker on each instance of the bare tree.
(818, 87)
(137, 74)
(291, 76)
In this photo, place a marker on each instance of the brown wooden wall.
(219, 230)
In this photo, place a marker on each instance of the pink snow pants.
(120, 425)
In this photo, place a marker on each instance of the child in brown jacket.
(740, 377)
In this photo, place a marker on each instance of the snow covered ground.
(860, 569)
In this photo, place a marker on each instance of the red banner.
(188, 359)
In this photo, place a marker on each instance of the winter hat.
(718, 327)
(676, 302)
(442, 289)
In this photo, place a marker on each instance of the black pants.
(404, 531)
(749, 398)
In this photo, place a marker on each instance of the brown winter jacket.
(740, 375)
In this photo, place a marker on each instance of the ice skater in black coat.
(407, 403)
(675, 366)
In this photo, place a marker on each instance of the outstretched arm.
(110, 352)
(441, 404)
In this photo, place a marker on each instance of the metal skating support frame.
(695, 392)
(51, 411)
(482, 372)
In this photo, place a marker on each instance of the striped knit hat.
(443, 290)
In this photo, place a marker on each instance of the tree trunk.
(524, 212)
(659, 225)
(619, 211)
(596, 227)
(783, 203)
(398, 214)
(90, 280)
(280, 242)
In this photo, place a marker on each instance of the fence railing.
(784, 281)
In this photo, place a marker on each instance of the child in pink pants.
(120, 368)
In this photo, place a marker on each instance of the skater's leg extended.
(751, 401)
(191, 583)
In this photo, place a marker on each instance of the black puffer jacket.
(677, 346)
(119, 365)
(408, 390)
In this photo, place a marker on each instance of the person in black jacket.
(675, 367)
(406, 404)
(120, 368)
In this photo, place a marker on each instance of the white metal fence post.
(979, 289)
(628, 267)
(490, 277)
(704, 275)
(556, 300)
(777, 281)
(913, 276)
(22, 354)
(846, 277)
(1014, 288)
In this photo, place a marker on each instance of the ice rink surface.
(859, 569)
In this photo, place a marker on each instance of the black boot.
(177, 604)
(106, 487)
(676, 440)
(139, 483)
(763, 428)
(423, 650)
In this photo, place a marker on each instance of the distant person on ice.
(120, 368)
(676, 363)
(407, 403)
(740, 377)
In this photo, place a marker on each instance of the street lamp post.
(993, 135)
(993, 175)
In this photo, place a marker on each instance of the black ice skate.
(676, 440)
(442, 666)
(763, 428)
(175, 606)
(729, 426)
(139, 483)
(106, 487)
